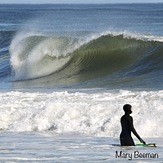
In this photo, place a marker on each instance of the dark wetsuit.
(127, 127)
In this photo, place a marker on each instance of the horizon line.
(81, 3)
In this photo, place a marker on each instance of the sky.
(79, 1)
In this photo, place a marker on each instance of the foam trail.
(94, 114)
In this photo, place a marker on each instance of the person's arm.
(134, 131)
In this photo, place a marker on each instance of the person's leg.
(127, 141)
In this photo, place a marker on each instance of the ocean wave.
(65, 60)
(95, 114)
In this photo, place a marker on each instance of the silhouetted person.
(128, 127)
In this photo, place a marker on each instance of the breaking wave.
(70, 60)
(85, 113)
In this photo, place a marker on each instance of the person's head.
(127, 109)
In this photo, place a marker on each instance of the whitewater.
(65, 73)
(86, 113)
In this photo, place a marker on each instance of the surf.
(69, 60)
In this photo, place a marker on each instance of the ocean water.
(65, 73)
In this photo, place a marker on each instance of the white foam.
(134, 35)
(40, 59)
(95, 114)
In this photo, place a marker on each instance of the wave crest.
(69, 60)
